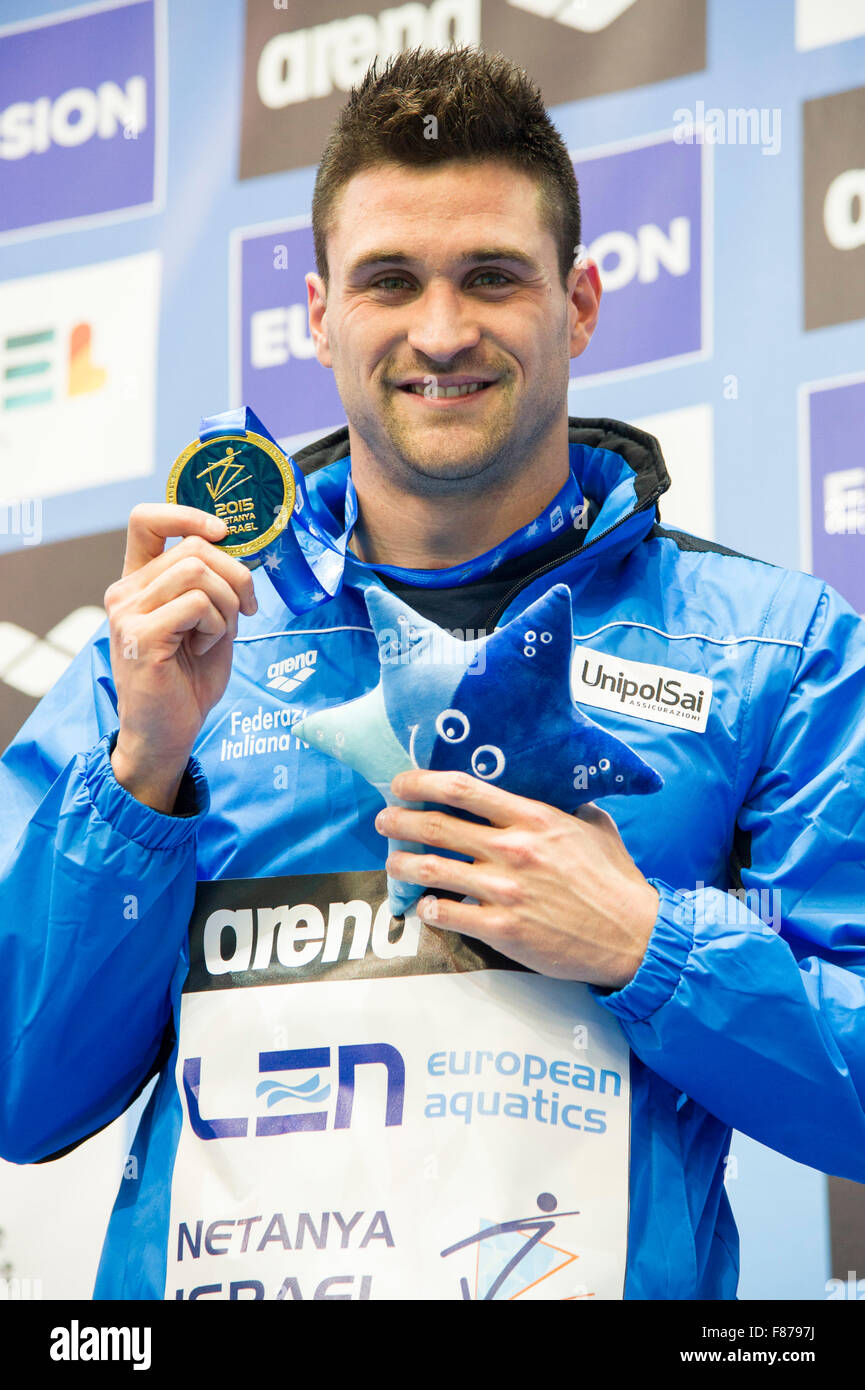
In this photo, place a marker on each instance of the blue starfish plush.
(498, 707)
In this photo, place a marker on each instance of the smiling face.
(446, 323)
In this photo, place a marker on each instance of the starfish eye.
(452, 725)
(488, 761)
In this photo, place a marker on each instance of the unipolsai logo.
(78, 116)
(644, 205)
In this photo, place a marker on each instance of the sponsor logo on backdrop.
(81, 127)
(293, 67)
(833, 208)
(818, 23)
(32, 664)
(646, 223)
(572, 48)
(833, 484)
(77, 364)
(589, 16)
(274, 368)
(50, 607)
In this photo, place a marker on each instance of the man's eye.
(495, 274)
(390, 282)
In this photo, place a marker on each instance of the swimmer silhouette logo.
(513, 1256)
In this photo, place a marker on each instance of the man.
(421, 1100)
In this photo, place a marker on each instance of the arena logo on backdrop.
(573, 49)
(273, 365)
(833, 208)
(589, 16)
(81, 124)
(645, 214)
(43, 623)
(833, 484)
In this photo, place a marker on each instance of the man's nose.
(443, 322)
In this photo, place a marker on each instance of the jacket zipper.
(554, 564)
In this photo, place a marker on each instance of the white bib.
(375, 1109)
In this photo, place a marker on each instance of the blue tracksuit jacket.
(734, 1019)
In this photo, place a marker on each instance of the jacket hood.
(620, 469)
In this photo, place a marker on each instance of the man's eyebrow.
(479, 257)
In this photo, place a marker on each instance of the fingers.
(468, 917)
(191, 574)
(145, 605)
(468, 793)
(456, 876)
(151, 524)
(193, 612)
(434, 828)
(191, 558)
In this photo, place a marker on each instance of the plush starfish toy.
(499, 708)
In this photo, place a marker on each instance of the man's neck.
(396, 526)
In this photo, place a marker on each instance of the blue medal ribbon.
(306, 562)
(563, 511)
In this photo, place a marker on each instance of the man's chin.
(448, 448)
(451, 459)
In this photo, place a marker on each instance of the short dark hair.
(482, 107)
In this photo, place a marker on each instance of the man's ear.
(317, 306)
(584, 298)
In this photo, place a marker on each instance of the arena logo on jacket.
(82, 128)
(833, 199)
(299, 68)
(454, 1125)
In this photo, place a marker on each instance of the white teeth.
(420, 390)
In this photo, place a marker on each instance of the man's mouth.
(435, 391)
